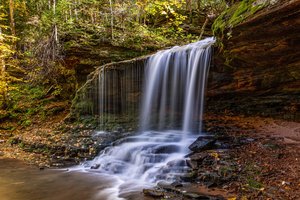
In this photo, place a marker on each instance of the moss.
(233, 16)
(83, 105)
(29, 104)
(26, 122)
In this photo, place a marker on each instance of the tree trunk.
(189, 9)
(3, 76)
(75, 10)
(55, 25)
(70, 12)
(12, 20)
(92, 16)
(203, 27)
(55, 33)
(111, 19)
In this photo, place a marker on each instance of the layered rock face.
(262, 76)
(256, 73)
(85, 59)
(111, 96)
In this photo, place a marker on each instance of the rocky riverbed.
(247, 158)
(244, 157)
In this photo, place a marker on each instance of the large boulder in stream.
(202, 143)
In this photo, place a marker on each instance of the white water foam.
(171, 114)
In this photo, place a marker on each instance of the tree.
(111, 19)
(12, 20)
(6, 52)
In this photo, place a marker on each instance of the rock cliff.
(262, 71)
(257, 72)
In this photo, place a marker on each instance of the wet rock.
(176, 184)
(57, 164)
(209, 160)
(199, 157)
(248, 140)
(214, 179)
(166, 149)
(120, 130)
(178, 163)
(202, 143)
(191, 164)
(169, 187)
(153, 193)
(224, 142)
(192, 195)
(166, 186)
(210, 184)
(69, 161)
(188, 177)
(96, 166)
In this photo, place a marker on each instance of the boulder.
(202, 143)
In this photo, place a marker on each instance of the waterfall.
(170, 115)
(174, 87)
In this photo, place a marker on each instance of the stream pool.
(19, 181)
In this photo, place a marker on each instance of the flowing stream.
(170, 119)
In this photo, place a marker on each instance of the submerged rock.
(96, 166)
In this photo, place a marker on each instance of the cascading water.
(174, 87)
(171, 114)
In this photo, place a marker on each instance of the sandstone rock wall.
(114, 101)
(262, 75)
(256, 73)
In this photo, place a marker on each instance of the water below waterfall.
(170, 120)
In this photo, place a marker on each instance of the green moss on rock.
(234, 15)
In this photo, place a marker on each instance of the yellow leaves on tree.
(6, 53)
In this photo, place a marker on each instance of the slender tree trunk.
(55, 42)
(203, 27)
(55, 25)
(75, 10)
(3, 76)
(70, 11)
(137, 19)
(189, 8)
(111, 19)
(92, 16)
(79, 10)
(12, 20)
(66, 16)
(198, 7)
